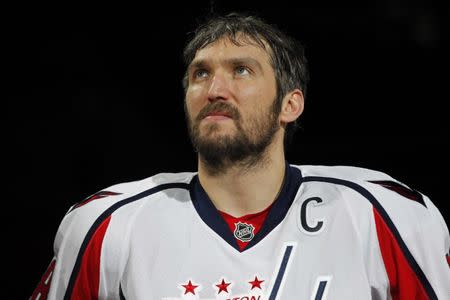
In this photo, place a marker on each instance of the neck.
(242, 189)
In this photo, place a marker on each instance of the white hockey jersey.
(332, 233)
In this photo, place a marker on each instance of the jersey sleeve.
(91, 247)
(413, 239)
(74, 272)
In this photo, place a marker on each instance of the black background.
(94, 98)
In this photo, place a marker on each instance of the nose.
(218, 89)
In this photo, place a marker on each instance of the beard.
(245, 147)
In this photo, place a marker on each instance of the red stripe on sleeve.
(403, 281)
(87, 282)
(43, 287)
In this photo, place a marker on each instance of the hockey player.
(248, 225)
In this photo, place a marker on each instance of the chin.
(216, 129)
(217, 135)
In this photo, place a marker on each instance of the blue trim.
(122, 297)
(293, 180)
(211, 216)
(281, 271)
(103, 217)
(364, 192)
(320, 290)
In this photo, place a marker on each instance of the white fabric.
(158, 243)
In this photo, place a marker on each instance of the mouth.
(217, 115)
(218, 111)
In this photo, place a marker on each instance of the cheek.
(193, 101)
(261, 92)
(256, 98)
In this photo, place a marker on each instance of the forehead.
(226, 48)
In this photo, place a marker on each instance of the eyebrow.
(237, 61)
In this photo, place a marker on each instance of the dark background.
(94, 98)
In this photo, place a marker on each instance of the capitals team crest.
(244, 231)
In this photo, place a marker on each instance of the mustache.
(219, 107)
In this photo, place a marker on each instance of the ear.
(292, 106)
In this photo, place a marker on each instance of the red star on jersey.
(189, 288)
(223, 286)
(256, 283)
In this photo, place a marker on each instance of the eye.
(242, 70)
(200, 73)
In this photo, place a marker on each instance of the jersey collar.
(211, 216)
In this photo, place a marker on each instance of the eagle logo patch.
(244, 231)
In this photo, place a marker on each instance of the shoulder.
(94, 209)
(409, 215)
(410, 233)
(94, 233)
(358, 178)
(350, 173)
(380, 189)
(389, 199)
(122, 191)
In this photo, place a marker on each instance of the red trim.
(88, 279)
(400, 189)
(403, 281)
(43, 287)
(256, 219)
(99, 195)
(448, 259)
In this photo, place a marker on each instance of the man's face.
(230, 103)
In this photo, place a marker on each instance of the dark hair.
(286, 54)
